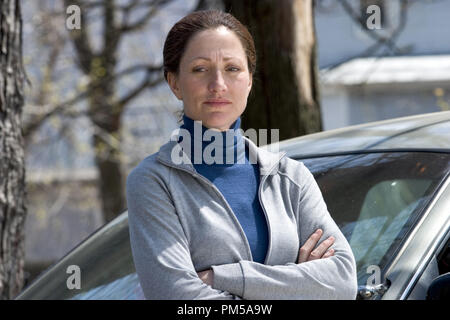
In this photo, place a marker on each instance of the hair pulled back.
(180, 34)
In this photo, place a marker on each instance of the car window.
(124, 288)
(377, 198)
(106, 269)
(386, 209)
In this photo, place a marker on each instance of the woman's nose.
(217, 82)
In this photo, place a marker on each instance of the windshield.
(374, 198)
(377, 198)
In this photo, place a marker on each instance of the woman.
(231, 228)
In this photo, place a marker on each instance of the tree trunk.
(107, 122)
(12, 165)
(104, 110)
(284, 93)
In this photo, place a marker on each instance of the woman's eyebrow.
(208, 59)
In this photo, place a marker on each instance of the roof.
(424, 132)
(388, 70)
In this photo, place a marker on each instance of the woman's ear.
(172, 80)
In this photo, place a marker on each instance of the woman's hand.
(206, 276)
(307, 251)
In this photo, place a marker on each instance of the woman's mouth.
(217, 102)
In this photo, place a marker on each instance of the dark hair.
(180, 34)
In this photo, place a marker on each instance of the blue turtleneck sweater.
(237, 181)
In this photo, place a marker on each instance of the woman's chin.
(217, 125)
(218, 122)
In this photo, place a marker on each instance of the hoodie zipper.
(235, 219)
(269, 249)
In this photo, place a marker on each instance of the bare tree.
(12, 166)
(99, 65)
(285, 92)
(105, 108)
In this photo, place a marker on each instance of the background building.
(399, 70)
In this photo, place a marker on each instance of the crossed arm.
(306, 253)
(166, 271)
(317, 274)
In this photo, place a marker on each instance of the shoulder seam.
(290, 179)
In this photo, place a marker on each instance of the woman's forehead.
(207, 44)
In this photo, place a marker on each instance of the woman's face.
(213, 80)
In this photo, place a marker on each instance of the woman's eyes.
(199, 69)
(203, 69)
(234, 69)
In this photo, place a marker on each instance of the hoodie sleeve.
(329, 278)
(159, 245)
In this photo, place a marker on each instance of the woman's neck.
(217, 147)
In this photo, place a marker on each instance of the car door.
(417, 263)
(382, 202)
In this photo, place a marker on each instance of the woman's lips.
(217, 102)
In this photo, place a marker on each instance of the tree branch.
(146, 83)
(110, 35)
(380, 41)
(359, 21)
(154, 5)
(80, 39)
(32, 126)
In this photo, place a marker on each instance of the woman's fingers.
(207, 276)
(307, 251)
(309, 245)
(321, 249)
(328, 254)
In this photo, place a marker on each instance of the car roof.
(424, 132)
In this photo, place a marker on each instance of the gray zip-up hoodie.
(181, 224)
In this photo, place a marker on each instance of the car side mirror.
(439, 288)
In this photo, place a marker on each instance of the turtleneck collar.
(231, 144)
